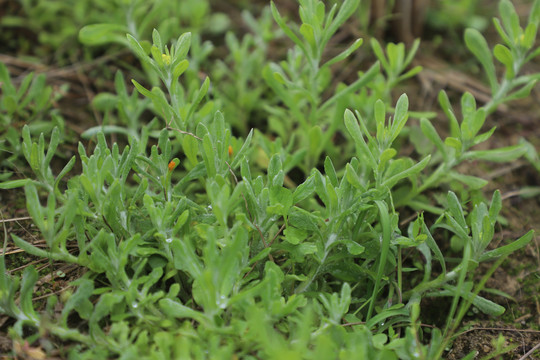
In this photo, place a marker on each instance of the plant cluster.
(56, 24)
(30, 103)
(199, 243)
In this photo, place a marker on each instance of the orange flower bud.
(172, 165)
(230, 151)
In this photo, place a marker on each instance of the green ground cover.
(235, 191)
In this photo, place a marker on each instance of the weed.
(201, 245)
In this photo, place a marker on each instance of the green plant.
(452, 15)
(194, 247)
(56, 24)
(123, 112)
(517, 50)
(237, 78)
(302, 81)
(30, 103)
(137, 17)
(394, 65)
(464, 135)
(148, 244)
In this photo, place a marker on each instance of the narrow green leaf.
(191, 149)
(503, 54)
(182, 46)
(363, 81)
(200, 95)
(286, 29)
(529, 36)
(521, 93)
(29, 279)
(100, 34)
(495, 206)
(400, 117)
(429, 131)
(432, 244)
(505, 154)
(377, 49)
(447, 108)
(274, 166)
(143, 90)
(352, 178)
(33, 250)
(344, 54)
(53, 144)
(483, 137)
(454, 206)
(415, 169)
(409, 74)
(486, 306)
(307, 32)
(361, 147)
(180, 68)
(304, 190)
(137, 48)
(502, 33)
(385, 314)
(472, 181)
(507, 249)
(345, 11)
(65, 170)
(12, 184)
(315, 140)
(454, 142)
(385, 247)
(379, 112)
(243, 150)
(80, 300)
(534, 14)
(209, 156)
(412, 51)
(509, 18)
(476, 43)
(24, 86)
(156, 39)
(330, 171)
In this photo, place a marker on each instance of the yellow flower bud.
(166, 59)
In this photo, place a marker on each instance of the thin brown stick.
(397, 325)
(30, 234)
(530, 352)
(15, 219)
(67, 71)
(169, 127)
(409, 219)
(279, 231)
(11, 252)
(183, 132)
(51, 294)
(499, 329)
(65, 269)
(26, 265)
(511, 194)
